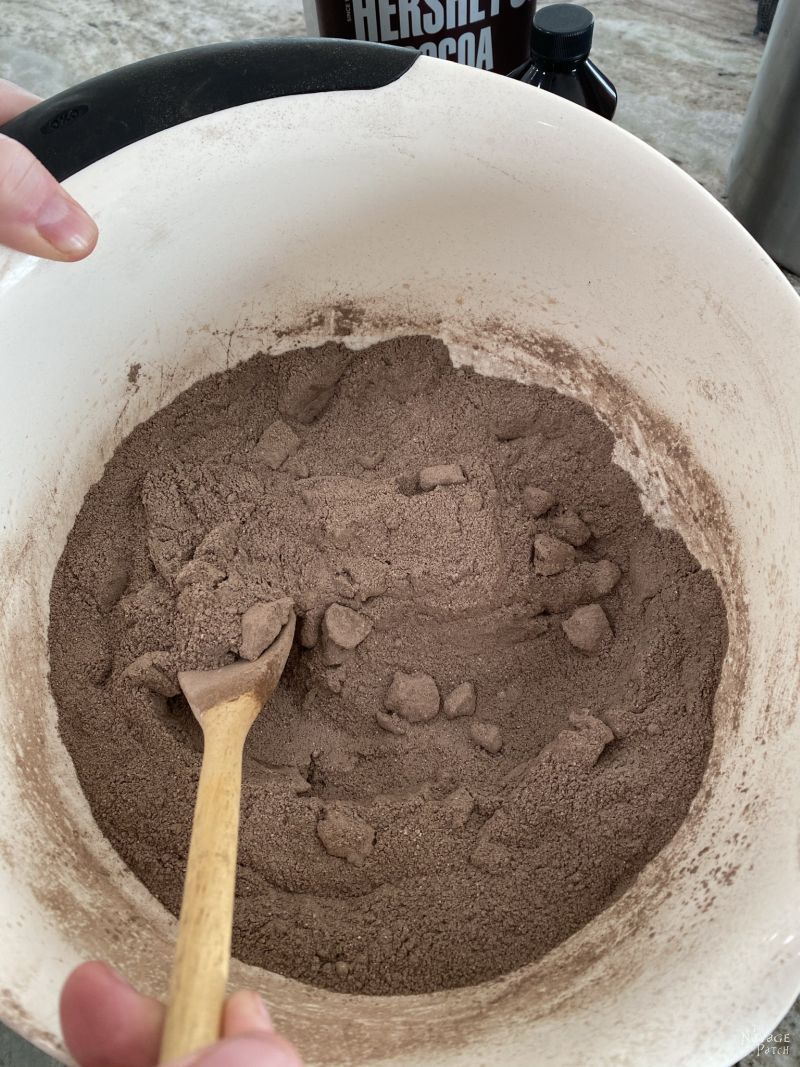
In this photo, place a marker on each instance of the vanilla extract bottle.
(561, 39)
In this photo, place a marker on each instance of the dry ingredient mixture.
(498, 706)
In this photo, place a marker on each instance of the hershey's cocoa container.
(489, 34)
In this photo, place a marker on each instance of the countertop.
(684, 70)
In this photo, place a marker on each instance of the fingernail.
(250, 1010)
(258, 1006)
(65, 225)
(111, 973)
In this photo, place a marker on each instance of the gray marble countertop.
(684, 70)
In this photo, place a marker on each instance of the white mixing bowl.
(542, 243)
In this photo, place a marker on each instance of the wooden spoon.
(226, 703)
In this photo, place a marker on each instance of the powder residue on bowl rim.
(498, 706)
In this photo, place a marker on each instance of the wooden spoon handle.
(202, 955)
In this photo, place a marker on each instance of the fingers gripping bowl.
(363, 213)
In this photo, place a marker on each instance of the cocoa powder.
(532, 756)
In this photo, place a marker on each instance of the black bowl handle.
(81, 125)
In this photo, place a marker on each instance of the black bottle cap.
(562, 32)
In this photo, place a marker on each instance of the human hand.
(37, 216)
(106, 1023)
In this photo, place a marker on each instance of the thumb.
(37, 216)
(249, 1050)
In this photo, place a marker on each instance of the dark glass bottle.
(561, 39)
